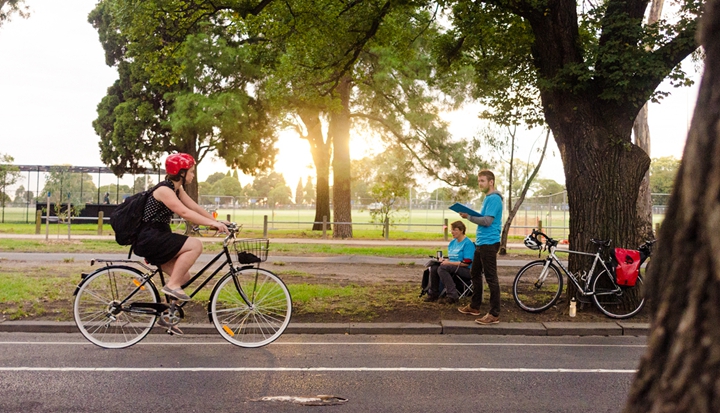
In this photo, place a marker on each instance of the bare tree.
(680, 371)
(513, 208)
(642, 139)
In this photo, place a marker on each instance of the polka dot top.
(156, 211)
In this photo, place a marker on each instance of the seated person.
(459, 260)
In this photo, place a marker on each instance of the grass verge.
(108, 246)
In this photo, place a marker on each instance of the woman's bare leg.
(179, 267)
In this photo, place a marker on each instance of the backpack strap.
(149, 193)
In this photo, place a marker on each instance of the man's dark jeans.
(485, 260)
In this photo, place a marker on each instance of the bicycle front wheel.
(536, 288)
(258, 321)
(617, 302)
(99, 315)
(206, 231)
(180, 226)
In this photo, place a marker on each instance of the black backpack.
(126, 220)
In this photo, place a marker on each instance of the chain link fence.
(550, 212)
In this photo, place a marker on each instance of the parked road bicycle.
(181, 226)
(117, 305)
(538, 284)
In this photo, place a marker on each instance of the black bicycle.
(117, 305)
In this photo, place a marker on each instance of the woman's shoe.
(448, 300)
(430, 298)
(177, 293)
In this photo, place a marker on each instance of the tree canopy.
(10, 7)
(166, 102)
(585, 70)
(662, 174)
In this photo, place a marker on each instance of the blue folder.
(458, 207)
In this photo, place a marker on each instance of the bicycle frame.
(584, 290)
(147, 276)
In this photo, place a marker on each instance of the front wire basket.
(252, 250)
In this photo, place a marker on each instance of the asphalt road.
(64, 373)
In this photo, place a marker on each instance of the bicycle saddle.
(604, 243)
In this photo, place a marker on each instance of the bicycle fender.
(85, 277)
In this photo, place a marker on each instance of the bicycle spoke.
(617, 302)
(537, 287)
(100, 294)
(263, 320)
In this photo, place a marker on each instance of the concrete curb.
(443, 327)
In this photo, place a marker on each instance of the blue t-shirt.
(458, 251)
(492, 206)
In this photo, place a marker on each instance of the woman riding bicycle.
(174, 253)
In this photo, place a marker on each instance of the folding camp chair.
(463, 285)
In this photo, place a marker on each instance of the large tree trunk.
(601, 169)
(321, 152)
(340, 130)
(680, 371)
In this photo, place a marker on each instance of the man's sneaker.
(488, 319)
(448, 300)
(469, 310)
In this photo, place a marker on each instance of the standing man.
(487, 245)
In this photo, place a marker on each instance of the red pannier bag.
(627, 267)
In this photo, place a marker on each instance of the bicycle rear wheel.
(617, 302)
(536, 289)
(261, 321)
(97, 309)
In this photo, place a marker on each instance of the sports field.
(429, 221)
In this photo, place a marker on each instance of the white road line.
(300, 343)
(305, 369)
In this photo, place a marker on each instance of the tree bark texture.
(321, 151)
(601, 168)
(680, 372)
(340, 130)
(593, 135)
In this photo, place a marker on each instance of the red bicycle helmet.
(177, 162)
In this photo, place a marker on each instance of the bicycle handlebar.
(550, 242)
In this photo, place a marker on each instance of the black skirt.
(157, 243)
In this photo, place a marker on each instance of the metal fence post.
(445, 230)
(265, 226)
(101, 216)
(324, 235)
